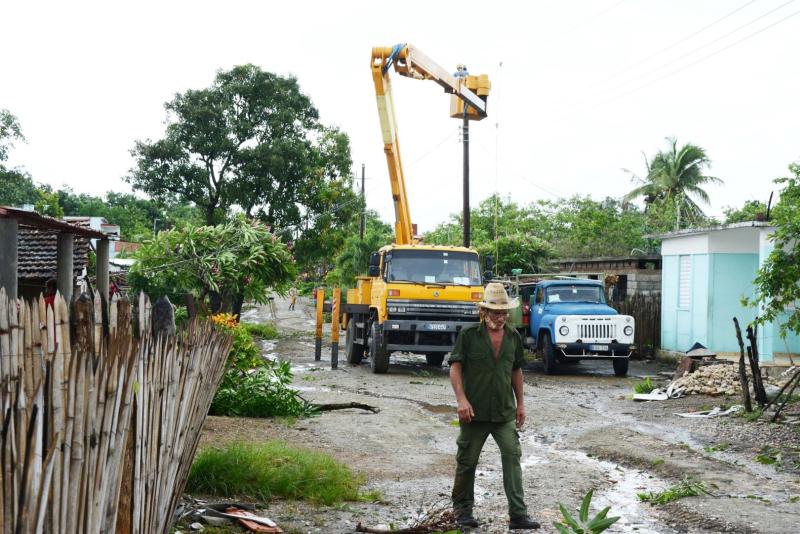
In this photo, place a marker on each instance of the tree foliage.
(10, 131)
(252, 140)
(750, 211)
(674, 179)
(240, 258)
(18, 188)
(353, 259)
(778, 280)
(528, 237)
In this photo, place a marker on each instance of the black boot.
(522, 522)
(465, 519)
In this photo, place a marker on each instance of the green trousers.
(470, 442)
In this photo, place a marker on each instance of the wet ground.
(583, 432)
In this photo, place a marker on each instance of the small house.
(705, 274)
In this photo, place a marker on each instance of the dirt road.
(582, 433)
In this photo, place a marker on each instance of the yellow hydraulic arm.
(466, 90)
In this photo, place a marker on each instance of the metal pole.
(337, 298)
(364, 207)
(465, 140)
(318, 332)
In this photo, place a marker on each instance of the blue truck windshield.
(434, 267)
(574, 293)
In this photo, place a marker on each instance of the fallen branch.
(796, 379)
(345, 406)
(742, 369)
(435, 521)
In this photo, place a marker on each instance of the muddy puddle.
(621, 494)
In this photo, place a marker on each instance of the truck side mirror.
(374, 264)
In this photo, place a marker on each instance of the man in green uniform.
(486, 374)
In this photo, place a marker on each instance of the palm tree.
(674, 177)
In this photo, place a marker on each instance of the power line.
(701, 47)
(704, 58)
(676, 43)
(434, 147)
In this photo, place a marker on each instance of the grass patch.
(455, 422)
(266, 331)
(719, 447)
(657, 461)
(686, 488)
(275, 469)
(770, 456)
(755, 415)
(644, 387)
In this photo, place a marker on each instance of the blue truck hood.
(583, 308)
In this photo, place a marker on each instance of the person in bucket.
(486, 374)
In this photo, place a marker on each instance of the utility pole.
(465, 140)
(363, 207)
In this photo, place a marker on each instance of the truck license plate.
(598, 347)
(436, 326)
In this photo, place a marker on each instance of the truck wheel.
(379, 356)
(620, 366)
(548, 355)
(355, 352)
(434, 359)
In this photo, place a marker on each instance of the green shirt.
(487, 380)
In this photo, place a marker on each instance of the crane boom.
(468, 98)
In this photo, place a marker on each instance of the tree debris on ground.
(439, 518)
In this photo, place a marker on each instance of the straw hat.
(496, 298)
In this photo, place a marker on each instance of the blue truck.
(568, 320)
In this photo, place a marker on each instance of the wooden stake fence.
(66, 405)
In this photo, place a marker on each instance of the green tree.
(252, 139)
(222, 264)
(517, 251)
(674, 177)
(778, 280)
(750, 211)
(10, 131)
(353, 259)
(18, 188)
(136, 217)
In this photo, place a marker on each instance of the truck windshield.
(574, 293)
(434, 267)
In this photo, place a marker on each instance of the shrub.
(244, 353)
(260, 392)
(267, 331)
(274, 469)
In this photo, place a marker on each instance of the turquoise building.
(705, 274)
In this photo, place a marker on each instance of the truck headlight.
(563, 330)
(628, 330)
(392, 309)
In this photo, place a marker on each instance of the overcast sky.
(579, 88)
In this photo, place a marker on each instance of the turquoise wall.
(669, 302)
(719, 281)
(681, 328)
(731, 278)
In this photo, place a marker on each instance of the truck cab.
(417, 299)
(570, 320)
